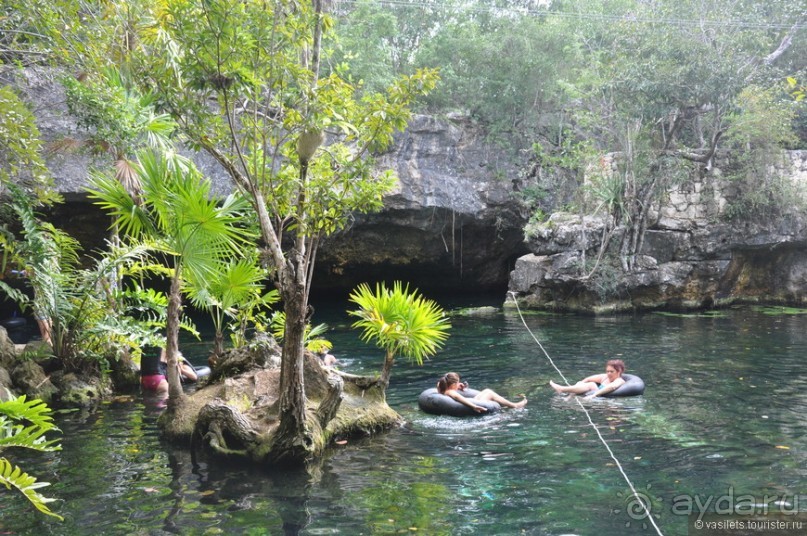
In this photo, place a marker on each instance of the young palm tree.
(238, 284)
(180, 219)
(400, 322)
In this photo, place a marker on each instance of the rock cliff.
(692, 256)
(453, 222)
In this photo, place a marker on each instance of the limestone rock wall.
(452, 223)
(691, 258)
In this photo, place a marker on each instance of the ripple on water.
(724, 406)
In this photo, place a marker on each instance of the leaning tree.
(244, 83)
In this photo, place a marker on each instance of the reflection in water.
(725, 410)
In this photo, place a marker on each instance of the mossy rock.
(76, 392)
(31, 379)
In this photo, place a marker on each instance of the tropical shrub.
(400, 322)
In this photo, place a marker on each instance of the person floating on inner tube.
(601, 384)
(450, 384)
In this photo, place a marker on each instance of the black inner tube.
(430, 401)
(633, 386)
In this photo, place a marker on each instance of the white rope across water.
(635, 493)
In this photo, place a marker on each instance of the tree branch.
(787, 40)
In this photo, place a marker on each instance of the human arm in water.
(609, 388)
(465, 401)
(186, 370)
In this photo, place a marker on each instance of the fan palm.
(400, 322)
(180, 218)
(238, 285)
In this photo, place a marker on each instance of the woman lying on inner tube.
(452, 387)
(613, 383)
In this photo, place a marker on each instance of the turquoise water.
(723, 421)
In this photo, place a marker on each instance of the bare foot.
(558, 388)
(521, 403)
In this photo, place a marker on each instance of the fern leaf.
(13, 477)
(34, 411)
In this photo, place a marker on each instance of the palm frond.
(15, 295)
(30, 437)
(34, 411)
(399, 321)
(113, 198)
(14, 477)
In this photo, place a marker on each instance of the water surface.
(724, 417)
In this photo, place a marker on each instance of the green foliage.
(81, 303)
(177, 215)
(399, 321)
(312, 338)
(23, 424)
(499, 67)
(762, 119)
(246, 56)
(761, 125)
(797, 91)
(236, 291)
(118, 118)
(606, 189)
(21, 151)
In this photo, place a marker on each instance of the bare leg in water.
(579, 388)
(491, 395)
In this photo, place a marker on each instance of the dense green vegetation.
(604, 104)
(666, 87)
(23, 424)
(241, 82)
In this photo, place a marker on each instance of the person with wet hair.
(451, 384)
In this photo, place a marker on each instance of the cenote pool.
(724, 419)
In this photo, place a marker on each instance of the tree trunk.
(293, 441)
(175, 392)
(218, 343)
(226, 430)
(386, 372)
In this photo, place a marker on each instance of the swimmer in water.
(451, 384)
(600, 384)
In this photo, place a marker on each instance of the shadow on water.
(723, 416)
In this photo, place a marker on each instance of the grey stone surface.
(453, 220)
